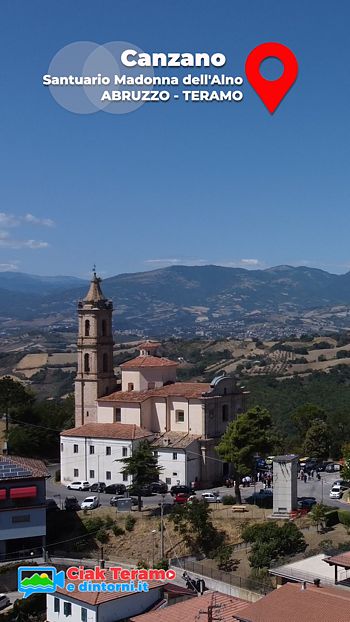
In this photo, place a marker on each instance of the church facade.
(183, 421)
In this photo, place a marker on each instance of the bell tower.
(95, 376)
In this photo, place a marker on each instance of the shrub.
(94, 524)
(270, 541)
(344, 519)
(130, 522)
(109, 522)
(102, 536)
(331, 518)
(118, 531)
(228, 500)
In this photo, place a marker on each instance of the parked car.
(332, 467)
(174, 490)
(98, 487)
(211, 497)
(115, 489)
(160, 488)
(79, 486)
(4, 601)
(114, 500)
(181, 497)
(306, 503)
(89, 503)
(337, 491)
(144, 491)
(51, 505)
(341, 482)
(71, 504)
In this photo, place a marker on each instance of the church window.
(104, 328)
(108, 475)
(225, 412)
(174, 455)
(130, 386)
(125, 477)
(76, 472)
(92, 474)
(108, 451)
(61, 446)
(105, 362)
(86, 363)
(87, 328)
(125, 452)
(92, 449)
(179, 416)
(75, 449)
(118, 414)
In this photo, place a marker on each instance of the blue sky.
(175, 183)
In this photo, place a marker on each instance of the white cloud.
(250, 262)
(7, 242)
(33, 220)
(8, 220)
(176, 261)
(10, 266)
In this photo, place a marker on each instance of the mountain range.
(184, 297)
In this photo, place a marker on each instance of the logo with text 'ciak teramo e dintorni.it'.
(46, 579)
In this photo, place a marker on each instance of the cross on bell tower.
(95, 376)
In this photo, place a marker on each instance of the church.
(183, 421)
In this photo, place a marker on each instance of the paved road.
(314, 488)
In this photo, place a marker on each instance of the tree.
(193, 522)
(143, 467)
(12, 395)
(270, 541)
(346, 455)
(317, 440)
(305, 415)
(249, 434)
(318, 516)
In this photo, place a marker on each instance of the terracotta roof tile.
(188, 610)
(343, 559)
(194, 390)
(148, 345)
(123, 431)
(291, 603)
(9, 464)
(177, 440)
(148, 361)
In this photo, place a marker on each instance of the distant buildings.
(22, 506)
(184, 421)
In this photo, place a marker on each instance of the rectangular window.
(56, 605)
(23, 518)
(92, 449)
(175, 455)
(61, 446)
(108, 451)
(76, 472)
(118, 415)
(67, 609)
(125, 452)
(75, 449)
(174, 474)
(92, 474)
(83, 614)
(130, 386)
(125, 477)
(108, 475)
(179, 416)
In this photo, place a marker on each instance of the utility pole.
(210, 613)
(162, 528)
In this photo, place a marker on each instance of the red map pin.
(271, 91)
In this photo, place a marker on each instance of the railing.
(206, 570)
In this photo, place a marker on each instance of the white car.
(211, 497)
(89, 503)
(4, 601)
(337, 492)
(79, 486)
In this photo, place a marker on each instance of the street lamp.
(154, 531)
